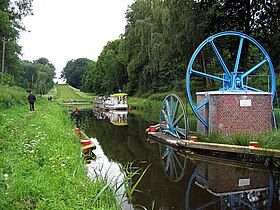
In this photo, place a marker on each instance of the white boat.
(118, 117)
(117, 101)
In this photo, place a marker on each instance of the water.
(174, 180)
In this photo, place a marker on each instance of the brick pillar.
(239, 112)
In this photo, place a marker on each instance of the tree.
(74, 71)
(11, 14)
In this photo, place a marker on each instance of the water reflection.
(180, 181)
(174, 164)
(232, 187)
(116, 117)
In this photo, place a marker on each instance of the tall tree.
(11, 14)
(74, 71)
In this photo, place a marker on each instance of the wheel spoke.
(176, 110)
(209, 76)
(181, 116)
(174, 166)
(177, 160)
(165, 154)
(167, 108)
(165, 116)
(203, 103)
(180, 131)
(167, 163)
(251, 88)
(238, 55)
(254, 68)
(219, 57)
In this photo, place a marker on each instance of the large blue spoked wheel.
(243, 66)
(173, 119)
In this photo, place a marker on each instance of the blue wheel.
(174, 164)
(235, 69)
(173, 119)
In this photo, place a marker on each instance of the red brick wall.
(228, 117)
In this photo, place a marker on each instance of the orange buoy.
(254, 144)
(193, 138)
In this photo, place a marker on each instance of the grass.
(66, 93)
(40, 163)
(270, 140)
(10, 96)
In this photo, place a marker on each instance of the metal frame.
(231, 81)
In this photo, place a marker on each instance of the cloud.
(61, 30)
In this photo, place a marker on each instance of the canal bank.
(171, 181)
(41, 166)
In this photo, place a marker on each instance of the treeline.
(160, 37)
(37, 75)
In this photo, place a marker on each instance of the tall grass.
(270, 140)
(10, 96)
(40, 163)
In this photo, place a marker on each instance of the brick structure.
(236, 112)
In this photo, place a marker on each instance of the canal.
(174, 180)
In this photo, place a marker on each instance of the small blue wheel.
(232, 77)
(173, 119)
(174, 164)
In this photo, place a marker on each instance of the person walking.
(31, 99)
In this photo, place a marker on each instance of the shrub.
(12, 95)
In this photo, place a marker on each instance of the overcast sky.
(61, 30)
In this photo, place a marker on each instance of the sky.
(62, 30)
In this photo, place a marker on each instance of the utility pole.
(3, 59)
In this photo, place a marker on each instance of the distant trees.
(160, 37)
(37, 75)
(74, 71)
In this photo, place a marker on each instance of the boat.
(117, 101)
(118, 117)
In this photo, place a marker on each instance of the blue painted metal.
(174, 165)
(232, 80)
(173, 119)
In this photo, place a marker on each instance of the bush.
(12, 95)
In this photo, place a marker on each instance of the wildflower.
(62, 165)
(6, 175)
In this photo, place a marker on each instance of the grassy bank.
(40, 163)
(66, 93)
(10, 96)
(149, 109)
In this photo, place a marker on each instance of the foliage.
(37, 75)
(108, 74)
(160, 37)
(74, 71)
(11, 14)
(10, 96)
(33, 154)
